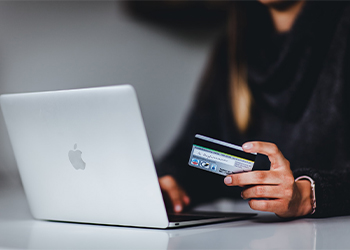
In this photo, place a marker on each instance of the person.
(278, 84)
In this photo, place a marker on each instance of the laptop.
(83, 156)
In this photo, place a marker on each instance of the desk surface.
(19, 230)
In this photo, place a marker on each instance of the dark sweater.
(300, 83)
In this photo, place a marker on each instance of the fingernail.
(228, 180)
(178, 208)
(247, 145)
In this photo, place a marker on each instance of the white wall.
(63, 45)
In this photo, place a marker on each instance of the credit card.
(220, 157)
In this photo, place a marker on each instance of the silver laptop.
(83, 156)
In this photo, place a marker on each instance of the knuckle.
(257, 145)
(236, 179)
(264, 206)
(169, 185)
(260, 176)
(274, 149)
(289, 180)
(167, 181)
(259, 191)
(287, 163)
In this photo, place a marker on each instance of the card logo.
(194, 161)
(205, 164)
(220, 157)
(75, 158)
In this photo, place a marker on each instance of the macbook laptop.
(83, 156)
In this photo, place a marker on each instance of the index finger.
(271, 150)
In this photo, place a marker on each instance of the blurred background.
(158, 47)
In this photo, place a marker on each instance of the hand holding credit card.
(220, 157)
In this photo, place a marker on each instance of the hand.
(175, 196)
(285, 197)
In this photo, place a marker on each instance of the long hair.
(240, 94)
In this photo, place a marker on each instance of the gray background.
(63, 45)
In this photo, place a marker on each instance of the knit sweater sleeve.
(333, 186)
(332, 191)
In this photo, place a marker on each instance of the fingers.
(175, 194)
(179, 199)
(267, 205)
(286, 203)
(277, 186)
(271, 150)
(253, 178)
(264, 191)
(276, 206)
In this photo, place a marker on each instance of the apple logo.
(75, 158)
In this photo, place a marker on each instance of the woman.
(278, 82)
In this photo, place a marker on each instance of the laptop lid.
(83, 156)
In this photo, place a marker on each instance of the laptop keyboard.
(197, 216)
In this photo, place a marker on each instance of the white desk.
(20, 231)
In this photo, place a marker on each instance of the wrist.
(307, 199)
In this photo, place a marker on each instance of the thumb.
(271, 150)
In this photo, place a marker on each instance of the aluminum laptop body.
(83, 156)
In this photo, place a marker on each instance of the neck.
(283, 16)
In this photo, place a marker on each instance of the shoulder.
(343, 26)
(339, 53)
